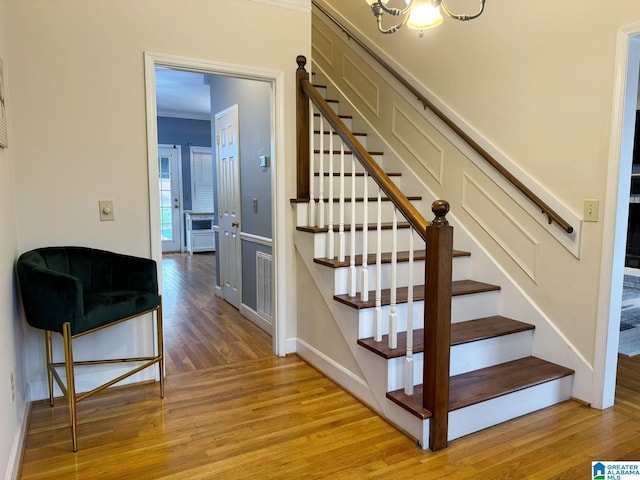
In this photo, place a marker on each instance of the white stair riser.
(337, 158)
(386, 210)
(492, 412)
(336, 140)
(341, 274)
(466, 357)
(316, 122)
(481, 305)
(320, 242)
(348, 186)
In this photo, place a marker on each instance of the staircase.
(493, 375)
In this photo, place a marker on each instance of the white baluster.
(352, 263)
(364, 280)
(393, 317)
(378, 315)
(408, 363)
(312, 168)
(341, 246)
(321, 177)
(330, 240)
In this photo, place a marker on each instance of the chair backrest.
(85, 286)
(94, 268)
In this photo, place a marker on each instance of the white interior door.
(170, 199)
(228, 171)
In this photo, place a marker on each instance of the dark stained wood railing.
(438, 236)
(551, 214)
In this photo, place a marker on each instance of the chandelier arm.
(463, 17)
(378, 12)
(394, 11)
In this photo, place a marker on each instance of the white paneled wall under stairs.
(494, 375)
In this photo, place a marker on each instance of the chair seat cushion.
(102, 308)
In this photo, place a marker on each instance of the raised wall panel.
(361, 84)
(414, 138)
(505, 230)
(322, 46)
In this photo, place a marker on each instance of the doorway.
(627, 69)
(275, 84)
(169, 184)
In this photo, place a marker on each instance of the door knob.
(235, 224)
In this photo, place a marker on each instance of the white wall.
(79, 129)
(12, 412)
(535, 80)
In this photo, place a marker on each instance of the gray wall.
(186, 133)
(253, 98)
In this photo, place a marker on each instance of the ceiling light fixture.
(418, 14)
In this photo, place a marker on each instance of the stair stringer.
(348, 323)
(549, 343)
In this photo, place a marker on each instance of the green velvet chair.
(76, 291)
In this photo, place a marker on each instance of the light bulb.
(423, 16)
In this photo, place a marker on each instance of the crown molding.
(299, 5)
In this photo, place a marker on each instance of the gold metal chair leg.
(71, 386)
(160, 339)
(49, 354)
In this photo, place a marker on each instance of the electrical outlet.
(591, 210)
(12, 387)
(106, 210)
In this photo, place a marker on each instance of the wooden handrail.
(551, 214)
(410, 212)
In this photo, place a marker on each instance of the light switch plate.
(106, 210)
(591, 210)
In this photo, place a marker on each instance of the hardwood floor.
(234, 411)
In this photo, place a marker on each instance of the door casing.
(282, 306)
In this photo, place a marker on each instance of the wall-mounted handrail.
(551, 214)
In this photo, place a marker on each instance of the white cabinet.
(201, 238)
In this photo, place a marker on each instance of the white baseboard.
(291, 345)
(13, 465)
(352, 383)
(92, 377)
(261, 321)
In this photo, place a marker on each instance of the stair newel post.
(331, 246)
(409, 365)
(378, 319)
(393, 317)
(364, 280)
(303, 126)
(352, 236)
(437, 323)
(341, 245)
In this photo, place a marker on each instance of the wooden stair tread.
(356, 134)
(403, 256)
(339, 115)
(459, 287)
(347, 227)
(358, 174)
(487, 383)
(357, 199)
(461, 332)
(336, 200)
(346, 152)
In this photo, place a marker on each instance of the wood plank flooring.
(234, 411)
